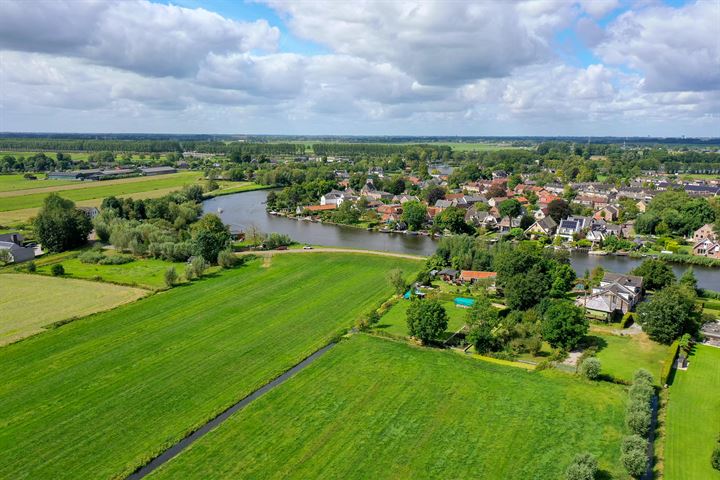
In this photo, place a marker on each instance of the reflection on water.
(243, 210)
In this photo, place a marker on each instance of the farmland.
(30, 302)
(142, 272)
(693, 418)
(102, 395)
(99, 190)
(375, 408)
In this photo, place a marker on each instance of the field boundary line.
(176, 449)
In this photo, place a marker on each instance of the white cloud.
(136, 35)
(675, 49)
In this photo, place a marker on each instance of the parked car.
(307, 247)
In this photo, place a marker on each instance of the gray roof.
(626, 280)
(19, 254)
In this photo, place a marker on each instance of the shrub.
(635, 462)
(227, 259)
(31, 267)
(641, 393)
(91, 256)
(170, 276)
(590, 368)
(643, 376)
(715, 458)
(583, 467)
(634, 442)
(199, 265)
(638, 418)
(189, 272)
(119, 259)
(275, 240)
(57, 270)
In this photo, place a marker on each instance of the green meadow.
(100, 396)
(620, 356)
(377, 408)
(395, 320)
(141, 272)
(29, 303)
(692, 425)
(99, 190)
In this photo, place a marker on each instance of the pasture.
(14, 182)
(142, 272)
(31, 302)
(395, 320)
(98, 190)
(692, 425)
(102, 395)
(376, 408)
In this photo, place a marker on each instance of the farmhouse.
(707, 248)
(12, 243)
(74, 175)
(91, 212)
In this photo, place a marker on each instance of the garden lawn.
(693, 418)
(100, 190)
(377, 408)
(142, 272)
(100, 396)
(395, 320)
(30, 302)
(622, 356)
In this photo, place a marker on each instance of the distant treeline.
(375, 149)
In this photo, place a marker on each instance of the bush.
(715, 458)
(634, 442)
(199, 265)
(227, 259)
(57, 270)
(638, 418)
(641, 393)
(635, 462)
(119, 259)
(170, 276)
(643, 376)
(31, 267)
(189, 272)
(91, 256)
(590, 368)
(275, 240)
(583, 467)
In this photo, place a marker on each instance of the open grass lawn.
(30, 302)
(145, 272)
(100, 396)
(100, 190)
(693, 418)
(395, 320)
(377, 408)
(622, 356)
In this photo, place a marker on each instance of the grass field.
(14, 182)
(622, 356)
(30, 302)
(145, 272)
(693, 418)
(376, 408)
(100, 190)
(395, 320)
(102, 395)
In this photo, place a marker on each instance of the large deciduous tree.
(414, 214)
(210, 237)
(426, 319)
(559, 209)
(564, 324)
(656, 274)
(669, 313)
(60, 226)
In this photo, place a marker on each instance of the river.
(243, 210)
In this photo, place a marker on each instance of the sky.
(364, 67)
